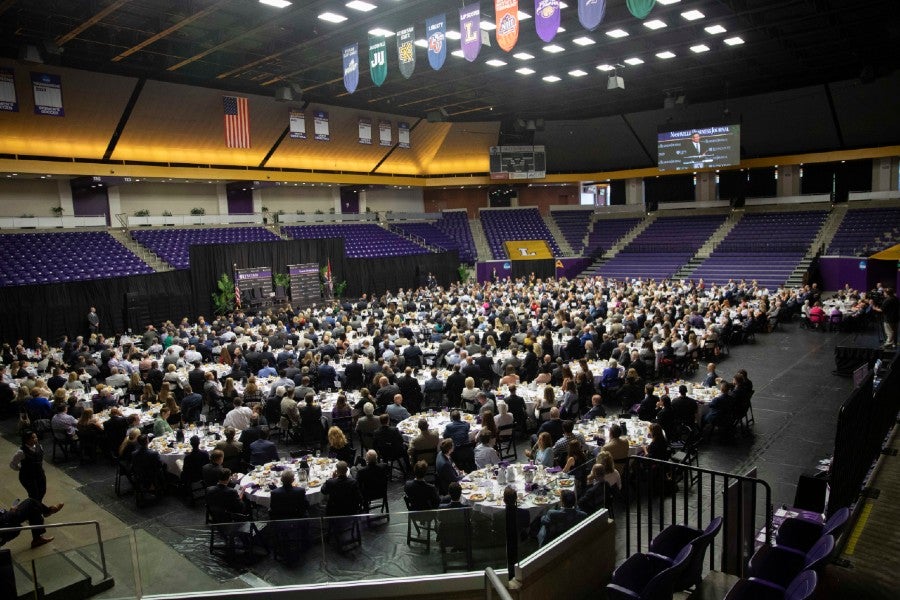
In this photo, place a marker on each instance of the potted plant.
(223, 297)
(464, 273)
(142, 213)
(265, 214)
(166, 213)
(282, 280)
(198, 210)
(57, 211)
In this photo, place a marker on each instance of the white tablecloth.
(257, 483)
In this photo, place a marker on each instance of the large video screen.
(699, 148)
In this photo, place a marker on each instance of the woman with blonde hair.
(338, 447)
(74, 383)
(148, 397)
(608, 470)
(135, 385)
(251, 392)
(469, 392)
(129, 444)
(164, 393)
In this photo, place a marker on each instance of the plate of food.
(314, 483)
(477, 497)
(541, 500)
(567, 482)
(467, 485)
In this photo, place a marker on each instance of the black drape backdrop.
(51, 311)
(542, 268)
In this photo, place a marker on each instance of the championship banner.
(406, 51)
(470, 30)
(403, 134)
(435, 29)
(591, 13)
(507, 16)
(527, 249)
(640, 8)
(377, 59)
(351, 67)
(385, 137)
(546, 18)
(297, 125)
(8, 100)
(365, 131)
(320, 126)
(47, 94)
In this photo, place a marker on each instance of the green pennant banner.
(377, 59)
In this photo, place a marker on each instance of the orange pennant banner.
(507, 15)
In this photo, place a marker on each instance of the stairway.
(819, 243)
(709, 246)
(594, 269)
(561, 240)
(481, 244)
(412, 238)
(152, 260)
(70, 575)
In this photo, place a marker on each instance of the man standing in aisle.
(890, 312)
(93, 321)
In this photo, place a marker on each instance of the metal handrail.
(96, 525)
(493, 584)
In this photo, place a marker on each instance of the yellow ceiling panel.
(425, 140)
(90, 116)
(464, 149)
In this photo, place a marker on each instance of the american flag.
(237, 122)
(237, 296)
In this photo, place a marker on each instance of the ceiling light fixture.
(331, 17)
(458, 53)
(525, 71)
(487, 26)
(550, 78)
(554, 49)
(655, 24)
(692, 15)
(665, 54)
(452, 35)
(700, 48)
(667, 2)
(381, 31)
(523, 56)
(735, 41)
(524, 16)
(276, 3)
(577, 73)
(421, 43)
(584, 41)
(634, 61)
(715, 29)
(605, 67)
(361, 6)
(495, 62)
(617, 33)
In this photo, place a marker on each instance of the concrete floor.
(795, 405)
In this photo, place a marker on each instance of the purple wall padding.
(838, 271)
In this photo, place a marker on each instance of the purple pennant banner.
(435, 33)
(351, 67)
(470, 30)
(546, 18)
(591, 13)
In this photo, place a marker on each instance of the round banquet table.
(258, 483)
(172, 452)
(147, 416)
(703, 395)
(597, 430)
(437, 420)
(483, 492)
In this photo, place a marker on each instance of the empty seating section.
(865, 231)
(606, 233)
(33, 258)
(456, 225)
(436, 237)
(173, 245)
(762, 247)
(661, 249)
(573, 224)
(517, 224)
(360, 240)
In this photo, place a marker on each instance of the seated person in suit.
(454, 497)
(388, 441)
(422, 495)
(597, 409)
(147, 467)
(263, 450)
(396, 411)
(616, 446)
(191, 405)
(213, 469)
(344, 497)
(288, 501)
(223, 501)
(426, 441)
(373, 478)
(721, 408)
(193, 463)
(558, 520)
(447, 472)
(231, 448)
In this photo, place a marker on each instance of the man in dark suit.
(597, 409)
(146, 465)
(353, 374)
(288, 502)
(422, 495)
(412, 354)
(446, 470)
(695, 147)
(212, 471)
(191, 404)
(721, 408)
(685, 407)
(456, 381)
(410, 390)
(385, 394)
(516, 406)
(155, 376)
(327, 374)
(194, 461)
(373, 478)
(344, 497)
(433, 384)
(196, 378)
(388, 441)
(454, 497)
(558, 520)
(263, 450)
(222, 500)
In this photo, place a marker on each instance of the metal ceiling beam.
(166, 32)
(87, 24)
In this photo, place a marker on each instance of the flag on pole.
(237, 122)
(237, 295)
(328, 277)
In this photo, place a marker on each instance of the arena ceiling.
(251, 47)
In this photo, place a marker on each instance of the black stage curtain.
(53, 310)
(208, 262)
(378, 275)
(542, 268)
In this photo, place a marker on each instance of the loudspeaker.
(283, 94)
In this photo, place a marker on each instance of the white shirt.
(238, 417)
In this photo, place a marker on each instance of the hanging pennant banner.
(297, 125)
(591, 13)
(377, 59)
(385, 137)
(47, 94)
(640, 8)
(507, 15)
(470, 30)
(8, 100)
(546, 18)
(351, 67)
(320, 126)
(365, 131)
(403, 134)
(406, 51)
(435, 32)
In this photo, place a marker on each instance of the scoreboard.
(518, 162)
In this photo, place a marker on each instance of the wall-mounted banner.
(591, 13)
(351, 67)
(403, 134)
(507, 16)
(406, 51)
(8, 100)
(470, 30)
(320, 126)
(435, 33)
(527, 249)
(297, 125)
(365, 130)
(377, 59)
(385, 137)
(47, 94)
(546, 18)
